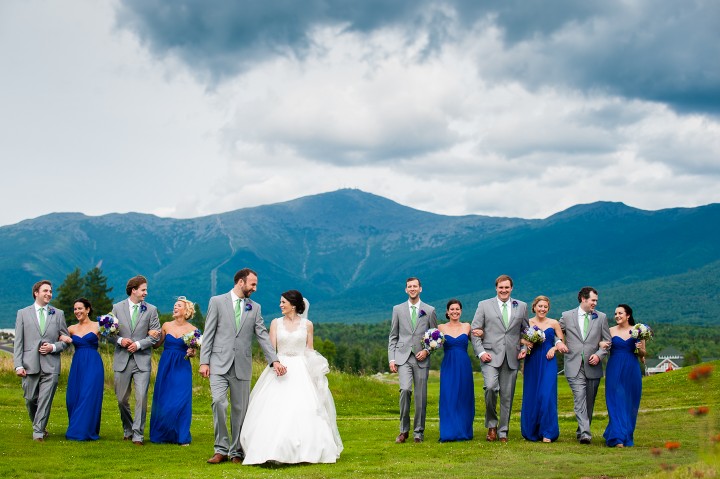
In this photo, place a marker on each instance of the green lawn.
(367, 419)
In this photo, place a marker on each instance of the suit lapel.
(32, 314)
(124, 313)
(576, 325)
(245, 316)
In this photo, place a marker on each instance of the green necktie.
(413, 316)
(133, 318)
(505, 315)
(587, 326)
(238, 314)
(42, 320)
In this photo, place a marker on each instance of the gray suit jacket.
(501, 343)
(403, 338)
(599, 331)
(147, 319)
(223, 346)
(28, 338)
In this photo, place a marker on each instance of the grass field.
(367, 418)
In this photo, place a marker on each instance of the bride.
(291, 418)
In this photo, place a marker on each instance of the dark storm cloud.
(665, 51)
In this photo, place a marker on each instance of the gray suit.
(134, 368)
(42, 370)
(503, 344)
(228, 352)
(584, 379)
(403, 343)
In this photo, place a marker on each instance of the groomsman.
(409, 358)
(36, 355)
(584, 329)
(226, 358)
(502, 320)
(133, 353)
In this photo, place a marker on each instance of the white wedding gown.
(291, 418)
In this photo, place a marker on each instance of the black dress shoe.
(585, 440)
(418, 439)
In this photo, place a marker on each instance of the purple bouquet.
(108, 325)
(193, 340)
(433, 339)
(533, 334)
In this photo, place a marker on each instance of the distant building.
(668, 359)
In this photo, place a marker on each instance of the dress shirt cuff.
(119, 341)
(19, 368)
(137, 344)
(54, 348)
(558, 340)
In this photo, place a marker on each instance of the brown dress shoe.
(503, 439)
(401, 437)
(418, 439)
(217, 458)
(236, 460)
(138, 443)
(39, 439)
(127, 438)
(45, 433)
(492, 434)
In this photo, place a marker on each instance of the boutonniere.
(594, 315)
(51, 310)
(143, 308)
(248, 306)
(514, 304)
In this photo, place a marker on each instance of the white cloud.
(97, 124)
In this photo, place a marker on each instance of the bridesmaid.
(457, 392)
(538, 416)
(623, 380)
(172, 397)
(87, 377)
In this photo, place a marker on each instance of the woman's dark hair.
(628, 311)
(450, 303)
(295, 298)
(85, 302)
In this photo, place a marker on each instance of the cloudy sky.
(506, 108)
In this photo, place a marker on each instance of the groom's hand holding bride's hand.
(279, 368)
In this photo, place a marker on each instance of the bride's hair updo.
(295, 298)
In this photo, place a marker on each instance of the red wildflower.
(700, 372)
(672, 445)
(699, 411)
(715, 438)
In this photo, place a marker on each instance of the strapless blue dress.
(172, 398)
(85, 386)
(457, 391)
(539, 414)
(623, 388)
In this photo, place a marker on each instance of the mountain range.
(350, 252)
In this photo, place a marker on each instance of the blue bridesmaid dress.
(457, 391)
(172, 397)
(539, 416)
(85, 390)
(623, 388)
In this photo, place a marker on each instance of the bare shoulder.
(309, 324)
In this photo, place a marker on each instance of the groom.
(133, 353)
(226, 358)
(409, 358)
(36, 355)
(584, 329)
(502, 320)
